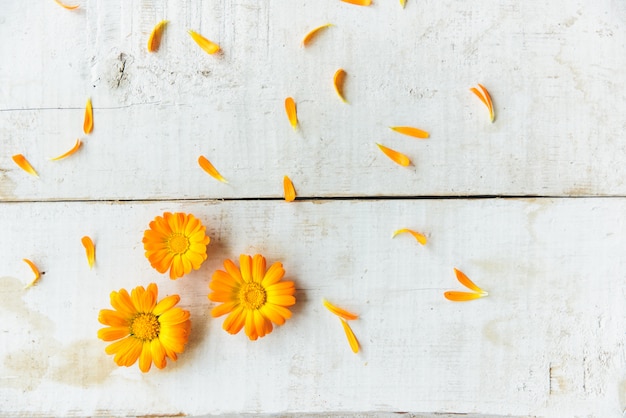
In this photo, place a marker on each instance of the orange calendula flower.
(154, 41)
(465, 296)
(358, 2)
(421, 238)
(23, 163)
(312, 34)
(354, 343)
(66, 6)
(176, 241)
(90, 250)
(70, 152)
(289, 190)
(340, 312)
(290, 108)
(410, 131)
(208, 46)
(208, 167)
(35, 270)
(88, 122)
(252, 296)
(396, 157)
(338, 80)
(484, 97)
(144, 329)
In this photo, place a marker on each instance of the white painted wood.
(547, 342)
(555, 71)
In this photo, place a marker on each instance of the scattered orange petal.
(309, 36)
(154, 41)
(290, 191)
(462, 296)
(338, 80)
(358, 2)
(340, 312)
(208, 46)
(35, 270)
(421, 238)
(403, 3)
(90, 249)
(88, 123)
(70, 152)
(290, 108)
(23, 163)
(410, 131)
(484, 97)
(66, 6)
(465, 281)
(395, 156)
(208, 167)
(354, 343)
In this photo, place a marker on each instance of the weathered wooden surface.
(547, 342)
(554, 70)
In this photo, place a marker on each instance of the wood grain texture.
(554, 71)
(548, 341)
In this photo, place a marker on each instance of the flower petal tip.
(308, 38)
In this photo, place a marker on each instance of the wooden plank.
(548, 341)
(554, 70)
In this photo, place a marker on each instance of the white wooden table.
(531, 207)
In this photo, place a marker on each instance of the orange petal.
(354, 343)
(290, 108)
(485, 98)
(465, 281)
(358, 2)
(290, 191)
(35, 270)
(208, 46)
(70, 152)
(421, 238)
(489, 102)
(90, 249)
(309, 36)
(88, 123)
(66, 6)
(462, 296)
(23, 163)
(395, 156)
(340, 312)
(208, 167)
(154, 41)
(338, 81)
(410, 131)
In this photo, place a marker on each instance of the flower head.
(176, 241)
(146, 330)
(252, 296)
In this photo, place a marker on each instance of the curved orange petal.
(70, 152)
(208, 167)
(312, 34)
(421, 238)
(358, 2)
(489, 102)
(290, 108)
(154, 41)
(465, 281)
(338, 81)
(90, 250)
(354, 343)
(88, 122)
(66, 6)
(410, 131)
(208, 46)
(342, 313)
(289, 190)
(395, 156)
(35, 270)
(23, 163)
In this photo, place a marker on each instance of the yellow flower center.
(178, 243)
(252, 295)
(145, 326)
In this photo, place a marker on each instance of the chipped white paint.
(547, 342)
